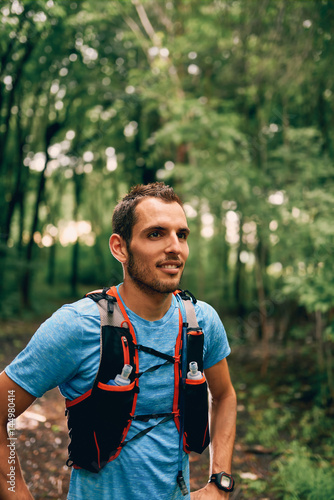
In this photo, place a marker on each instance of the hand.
(209, 492)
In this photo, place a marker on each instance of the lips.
(170, 267)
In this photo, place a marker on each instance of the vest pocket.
(113, 406)
(98, 425)
(82, 449)
(196, 415)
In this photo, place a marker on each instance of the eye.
(183, 236)
(154, 234)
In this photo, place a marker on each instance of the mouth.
(170, 267)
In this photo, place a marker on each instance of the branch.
(145, 21)
(136, 30)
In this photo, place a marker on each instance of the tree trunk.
(200, 268)
(319, 340)
(21, 224)
(263, 316)
(15, 198)
(238, 279)
(78, 181)
(26, 280)
(222, 267)
(54, 217)
(52, 264)
(75, 268)
(11, 97)
(329, 364)
(50, 131)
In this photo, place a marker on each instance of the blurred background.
(231, 103)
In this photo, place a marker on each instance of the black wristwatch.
(223, 481)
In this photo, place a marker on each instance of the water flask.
(123, 378)
(194, 373)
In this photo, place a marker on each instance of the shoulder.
(216, 346)
(206, 315)
(69, 322)
(57, 349)
(81, 309)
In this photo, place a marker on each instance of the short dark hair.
(124, 216)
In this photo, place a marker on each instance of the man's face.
(158, 249)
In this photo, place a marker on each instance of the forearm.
(12, 485)
(222, 429)
(223, 412)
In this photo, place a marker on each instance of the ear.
(118, 248)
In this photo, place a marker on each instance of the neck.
(150, 306)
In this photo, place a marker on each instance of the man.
(150, 241)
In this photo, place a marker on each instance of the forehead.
(153, 211)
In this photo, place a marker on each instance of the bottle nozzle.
(127, 369)
(193, 372)
(193, 367)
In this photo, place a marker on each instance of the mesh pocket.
(98, 424)
(113, 405)
(82, 449)
(196, 415)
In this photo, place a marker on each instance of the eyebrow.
(185, 230)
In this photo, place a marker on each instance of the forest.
(231, 103)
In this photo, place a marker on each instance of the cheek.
(186, 251)
(143, 258)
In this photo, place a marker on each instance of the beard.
(141, 275)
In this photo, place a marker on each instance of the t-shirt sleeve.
(216, 346)
(52, 356)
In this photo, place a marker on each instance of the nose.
(173, 245)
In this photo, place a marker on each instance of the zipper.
(126, 352)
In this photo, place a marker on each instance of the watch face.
(225, 482)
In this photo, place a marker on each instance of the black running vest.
(99, 420)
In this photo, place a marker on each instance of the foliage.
(232, 104)
(282, 421)
(303, 475)
(229, 102)
(254, 489)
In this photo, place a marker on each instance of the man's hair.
(124, 216)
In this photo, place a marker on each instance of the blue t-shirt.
(65, 352)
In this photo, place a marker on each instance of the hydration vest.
(99, 420)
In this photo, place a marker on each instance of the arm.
(12, 398)
(222, 427)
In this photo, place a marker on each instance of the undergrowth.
(284, 418)
(302, 475)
